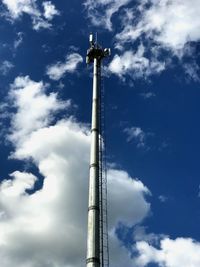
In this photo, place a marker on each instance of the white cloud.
(136, 134)
(39, 23)
(148, 95)
(109, 8)
(18, 40)
(49, 10)
(140, 234)
(163, 198)
(192, 71)
(164, 29)
(48, 227)
(162, 26)
(199, 191)
(119, 255)
(5, 67)
(34, 107)
(172, 253)
(20, 182)
(16, 8)
(123, 189)
(170, 23)
(59, 69)
(136, 64)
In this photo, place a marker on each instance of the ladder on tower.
(104, 244)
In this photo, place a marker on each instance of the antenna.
(96, 205)
(91, 39)
(96, 39)
(107, 52)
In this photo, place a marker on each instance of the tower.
(95, 54)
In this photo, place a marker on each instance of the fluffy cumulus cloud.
(124, 189)
(41, 17)
(59, 69)
(47, 226)
(160, 250)
(18, 185)
(135, 63)
(34, 107)
(163, 28)
(172, 253)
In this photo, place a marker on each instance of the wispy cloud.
(199, 192)
(18, 41)
(192, 71)
(170, 24)
(5, 67)
(100, 12)
(163, 198)
(147, 95)
(140, 234)
(163, 29)
(59, 69)
(40, 18)
(136, 134)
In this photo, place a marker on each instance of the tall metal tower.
(97, 239)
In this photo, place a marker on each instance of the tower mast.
(95, 54)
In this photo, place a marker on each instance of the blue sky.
(152, 111)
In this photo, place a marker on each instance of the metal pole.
(93, 243)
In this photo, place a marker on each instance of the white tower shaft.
(93, 250)
(94, 55)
